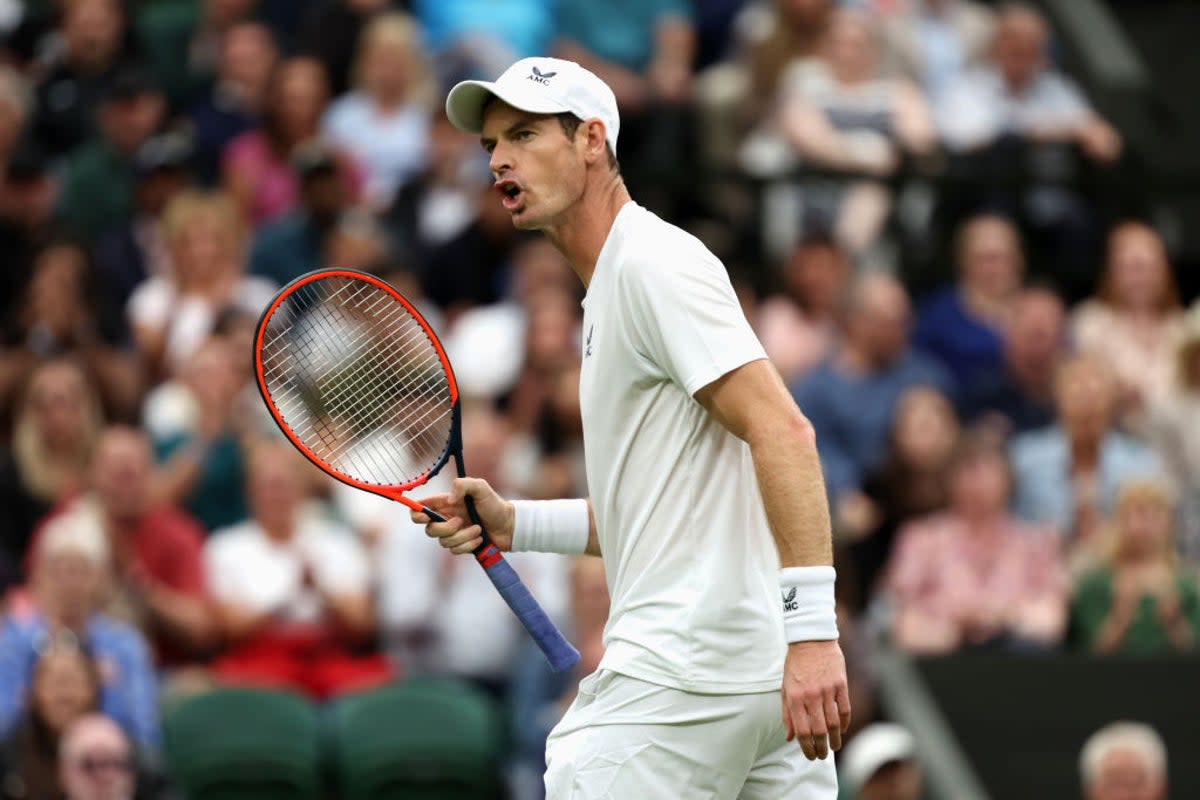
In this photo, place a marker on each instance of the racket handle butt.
(560, 653)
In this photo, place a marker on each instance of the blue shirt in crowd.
(968, 347)
(852, 414)
(526, 26)
(621, 31)
(129, 690)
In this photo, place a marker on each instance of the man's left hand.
(816, 700)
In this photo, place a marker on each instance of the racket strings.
(356, 378)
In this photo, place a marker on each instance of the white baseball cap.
(875, 745)
(539, 86)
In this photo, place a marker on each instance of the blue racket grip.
(561, 654)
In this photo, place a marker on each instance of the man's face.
(121, 469)
(127, 122)
(1124, 775)
(99, 766)
(1086, 397)
(539, 172)
(1019, 49)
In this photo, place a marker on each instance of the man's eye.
(522, 135)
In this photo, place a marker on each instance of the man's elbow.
(792, 430)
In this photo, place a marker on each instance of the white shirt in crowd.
(692, 567)
(248, 568)
(979, 107)
(188, 320)
(392, 148)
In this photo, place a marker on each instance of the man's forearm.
(793, 492)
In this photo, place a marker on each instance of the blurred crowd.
(915, 201)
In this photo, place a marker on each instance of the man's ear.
(595, 144)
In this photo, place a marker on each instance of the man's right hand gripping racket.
(358, 382)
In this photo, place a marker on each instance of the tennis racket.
(359, 383)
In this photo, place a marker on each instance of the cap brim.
(465, 103)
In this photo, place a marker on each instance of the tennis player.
(707, 501)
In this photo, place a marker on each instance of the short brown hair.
(570, 124)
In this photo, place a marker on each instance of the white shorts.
(626, 739)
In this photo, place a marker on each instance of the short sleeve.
(340, 564)
(221, 568)
(686, 319)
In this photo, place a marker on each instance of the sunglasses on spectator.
(93, 765)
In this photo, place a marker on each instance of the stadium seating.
(244, 744)
(425, 739)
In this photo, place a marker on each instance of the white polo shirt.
(692, 567)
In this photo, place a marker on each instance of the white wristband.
(809, 613)
(550, 526)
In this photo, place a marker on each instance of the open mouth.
(511, 194)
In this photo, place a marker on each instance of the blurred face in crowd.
(815, 275)
(298, 98)
(925, 428)
(122, 471)
(324, 196)
(127, 122)
(1019, 47)
(155, 190)
(1144, 524)
(248, 56)
(92, 30)
(205, 249)
(850, 49)
(222, 13)
(540, 172)
(979, 485)
(276, 488)
(29, 200)
(485, 440)
(1034, 337)
(387, 63)
(1138, 275)
(990, 257)
(537, 265)
(64, 687)
(1085, 396)
(1124, 774)
(804, 16)
(553, 329)
(54, 300)
(69, 584)
(96, 762)
(879, 319)
(59, 399)
(899, 780)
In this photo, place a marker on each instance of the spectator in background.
(797, 324)
(910, 483)
(1135, 321)
(137, 248)
(975, 576)
(933, 42)
(1068, 474)
(202, 464)
(158, 582)
(1018, 94)
(99, 177)
(65, 686)
(838, 113)
(256, 166)
(70, 577)
(1018, 396)
(359, 242)
(97, 762)
(1139, 600)
(28, 196)
(94, 49)
(1173, 431)
(963, 325)
(384, 122)
(53, 437)
(852, 397)
(447, 224)
(880, 763)
(184, 43)
(332, 31)
(172, 314)
(292, 245)
(292, 589)
(248, 56)
(64, 315)
(777, 35)
(1124, 761)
